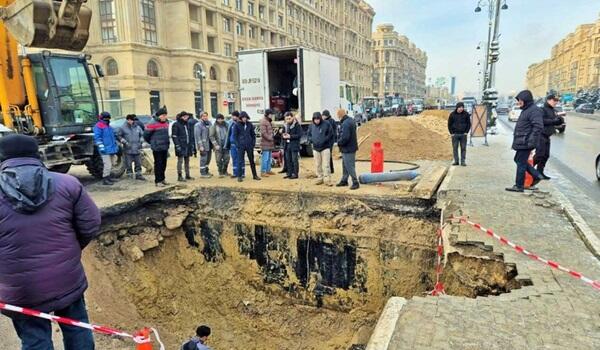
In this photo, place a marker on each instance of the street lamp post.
(201, 76)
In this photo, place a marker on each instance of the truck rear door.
(329, 71)
(310, 92)
(254, 82)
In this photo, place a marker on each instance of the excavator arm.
(47, 24)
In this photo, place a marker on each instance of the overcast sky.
(449, 31)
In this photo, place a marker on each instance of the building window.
(152, 69)
(196, 40)
(210, 18)
(114, 94)
(261, 12)
(108, 22)
(252, 32)
(112, 68)
(250, 8)
(211, 43)
(194, 13)
(273, 38)
(280, 21)
(226, 2)
(149, 22)
(213, 73)
(230, 75)
(263, 35)
(227, 49)
(238, 5)
(282, 41)
(239, 28)
(226, 24)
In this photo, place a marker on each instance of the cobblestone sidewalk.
(557, 312)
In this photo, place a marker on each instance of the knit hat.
(18, 146)
(161, 111)
(104, 116)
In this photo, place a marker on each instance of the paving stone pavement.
(556, 312)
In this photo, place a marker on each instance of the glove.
(101, 148)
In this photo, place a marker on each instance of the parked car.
(587, 108)
(561, 113)
(598, 167)
(502, 108)
(146, 119)
(514, 114)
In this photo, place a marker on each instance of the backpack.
(190, 345)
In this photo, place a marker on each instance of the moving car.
(514, 114)
(587, 108)
(502, 108)
(561, 113)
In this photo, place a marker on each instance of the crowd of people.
(232, 141)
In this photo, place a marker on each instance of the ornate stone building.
(151, 50)
(399, 66)
(574, 63)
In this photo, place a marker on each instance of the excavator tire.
(95, 165)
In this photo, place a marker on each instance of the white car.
(514, 114)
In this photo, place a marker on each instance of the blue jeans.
(234, 160)
(265, 161)
(36, 333)
(521, 158)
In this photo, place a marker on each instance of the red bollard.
(529, 178)
(377, 157)
(144, 333)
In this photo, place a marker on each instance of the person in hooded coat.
(47, 220)
(320, 135)
(157, 135)
(551, 120)
(183, 139)
(459, 125)
(525, 138)
(106, 141)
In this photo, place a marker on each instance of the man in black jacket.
(526, 136)
(542, 151)
(459, 125)
(157, 135)
(245, 138)
(320, 135)
(348, 144)
(291, 140)
(183, 139)
(327, 118)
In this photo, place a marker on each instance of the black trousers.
(291, 161)
(160, 165)
(331, 158)
(542, 153)
(522, 161)
(242, 161)
(459, 139)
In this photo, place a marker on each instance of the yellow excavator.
(50, 95)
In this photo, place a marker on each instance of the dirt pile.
(404, 139)
(436, 121)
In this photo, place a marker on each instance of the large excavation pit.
(273, 269)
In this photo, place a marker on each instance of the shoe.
(187, 177)
(181, 178)
(106, 182)
(536, 181)
(341, 184)
(283, 171)
(205, 176)
(264, 174)
(463, 164)
(514, 189)
(319, 182)
(221, 176)
(531, 188)
(256, 178)
(114, 179)
(164, 182)
(455, 163)
(130, 175)
(545, 177)
(240, 179)
(355, 186)
(160, 184)
(270, 173)
(287, 177)
(232, 176)
(293, 177)
(140, 177)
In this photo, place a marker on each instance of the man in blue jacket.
(47, 220)
(245, 138)
(105, 140)
(526, 137)
(231, 145)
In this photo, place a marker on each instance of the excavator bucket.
(48, 24)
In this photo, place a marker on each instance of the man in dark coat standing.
(183, 139)
(320, 135)
(245, 138)
(327, 118)
(132, 137)
(291, 141)
(551, 120)
(47, 220)
(526, 137)
(157, 135)
(459, 125)
(348, 144)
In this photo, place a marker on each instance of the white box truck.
(284, 79)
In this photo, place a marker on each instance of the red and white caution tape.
(138, 338)
(520, 249)
(438, 289)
